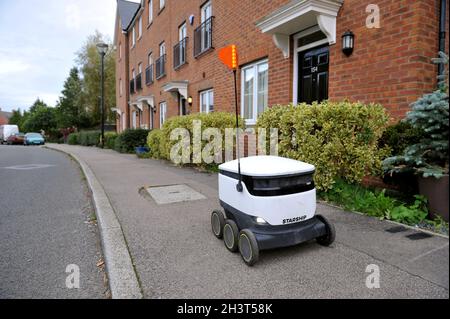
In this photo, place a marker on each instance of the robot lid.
(259, 166)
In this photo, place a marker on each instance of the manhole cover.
(174, 194)
(396, 229)
(418, 236)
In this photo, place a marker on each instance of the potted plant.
(428, 158)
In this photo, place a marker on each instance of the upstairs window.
(203, 34)
(140, 27)
(133, 37)
(150, 11)
(162, 4)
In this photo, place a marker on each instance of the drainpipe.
(442, 22)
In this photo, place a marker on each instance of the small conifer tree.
(430, 114)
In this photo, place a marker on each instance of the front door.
(182, 102)
(313, 75)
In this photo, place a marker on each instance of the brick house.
(290, 51)
(4, 117)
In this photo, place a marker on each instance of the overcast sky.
(38, 42)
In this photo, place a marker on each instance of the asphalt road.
(45, 215)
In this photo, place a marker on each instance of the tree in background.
(40, 117)
(90, 64)
(16, 118)
(70, 111)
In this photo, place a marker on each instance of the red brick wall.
(390, 65)
(121, 74)
(230, 26)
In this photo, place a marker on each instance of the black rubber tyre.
(329, 238)
(217, 223)
(248, 247)
(231, 235)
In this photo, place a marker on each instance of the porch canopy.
(177, 86)
(299, 15)
(117, 110)
(141, 100)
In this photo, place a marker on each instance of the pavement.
(45, 211)
(175, 255)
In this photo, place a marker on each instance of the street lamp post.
(102, 48)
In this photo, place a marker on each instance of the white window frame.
(134, 119)
(182, 32)
(120, 87)
(150, 11)
(140, 68)
(207, 5)
(134, 74)
(162, 4)
(207, 94)
(140, 27)
(124, 122)
(133, 37)
(162, 113)
(254, 66)
(150, 59)
(298, 49)
(162, 49)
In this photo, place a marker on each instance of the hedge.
(339, 138)
(72, 139)
(110, 139)
(89, 138)
(159, 140)
(128, 140)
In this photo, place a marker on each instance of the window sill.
(250, 122)
(204, 52)
(180, 66)
(161, 10)
(149, 25)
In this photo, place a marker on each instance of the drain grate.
(396, 229)
(419, 236)
(174, 194)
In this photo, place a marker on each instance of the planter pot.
(436, 190)
(142, 150)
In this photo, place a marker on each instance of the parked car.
(17, 138)
(33, 139)
(6, 131)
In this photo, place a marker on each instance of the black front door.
(313, 75)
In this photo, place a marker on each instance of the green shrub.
(376, 203)
(72, 139)
(412, 214)
(89, 138)
(399, 136)
(110, 139)
(428, 156)
(130, 139)
(159, 141)
(154, 141)
(339, 138)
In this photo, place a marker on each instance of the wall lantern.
(190, 100)
(348, 42)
